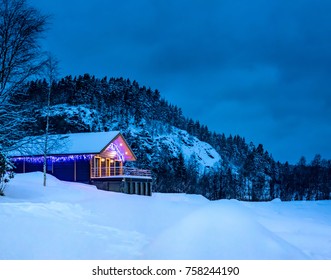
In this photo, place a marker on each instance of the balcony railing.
(98, 172)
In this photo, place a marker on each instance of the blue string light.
(67, 158)
(40, 159)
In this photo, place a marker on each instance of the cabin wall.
(72, 171)
(79, 171)
(23, 167)
(83, 169)
(32, 167)
(64, 171)
(19, 167)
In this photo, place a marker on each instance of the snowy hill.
(76, 221)
(174, 141)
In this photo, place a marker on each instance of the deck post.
(146, 188)
(121, 168)
(150, 188)
(126, 186)
(128, 191)
(132, 187)
(142, 190)
(136, 191)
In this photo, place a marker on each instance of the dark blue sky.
(259, 68)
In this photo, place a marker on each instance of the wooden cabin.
(94, 158)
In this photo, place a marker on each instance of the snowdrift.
(77, 221)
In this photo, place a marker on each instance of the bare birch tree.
(51, 68)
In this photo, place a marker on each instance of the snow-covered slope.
(76, 221)
(180, 141)
(175, 141)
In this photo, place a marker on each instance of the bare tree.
(21, 27)
(51, 70)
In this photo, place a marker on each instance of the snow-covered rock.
(176, 141)
(181, 141)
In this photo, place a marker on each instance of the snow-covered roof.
(71, 144)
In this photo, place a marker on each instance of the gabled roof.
(73, 144)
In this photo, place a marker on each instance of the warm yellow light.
(103, 160)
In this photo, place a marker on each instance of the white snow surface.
(76, 221)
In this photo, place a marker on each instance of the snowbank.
(77, 221)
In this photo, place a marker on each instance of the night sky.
(258, 68)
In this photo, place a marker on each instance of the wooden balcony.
(121, 178)
(120, 171)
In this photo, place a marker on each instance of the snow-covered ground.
(76, 221)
